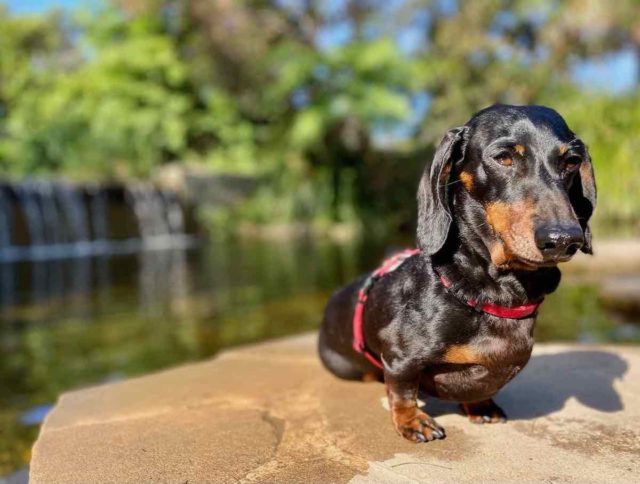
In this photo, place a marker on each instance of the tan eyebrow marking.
(519, 149)
(563, 148)
(467, 180)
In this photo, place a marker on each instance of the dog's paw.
(418, 427)
(484, 412)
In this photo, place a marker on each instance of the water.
(69, 323)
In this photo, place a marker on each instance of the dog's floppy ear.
(434, 216)
(582, 195)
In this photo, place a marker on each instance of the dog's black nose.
(559, 241)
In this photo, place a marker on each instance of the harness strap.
(389, 265)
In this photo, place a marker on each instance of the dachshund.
(506, 198)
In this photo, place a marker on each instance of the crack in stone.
(278, 427)
(302, 438)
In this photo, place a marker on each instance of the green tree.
(316, 100)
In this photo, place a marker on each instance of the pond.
(69, 323)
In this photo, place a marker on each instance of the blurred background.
(177, 177)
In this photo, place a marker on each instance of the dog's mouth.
(530, 264)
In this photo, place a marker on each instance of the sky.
(38, 6)
(614, 72)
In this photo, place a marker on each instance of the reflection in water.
(163, 280)
(71, 322)
(55, 290)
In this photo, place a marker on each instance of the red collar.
(511, 312)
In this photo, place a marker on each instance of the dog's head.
(521, 176)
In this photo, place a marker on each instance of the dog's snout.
(559, 241)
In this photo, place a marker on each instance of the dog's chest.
(501, 342)
(478, 368)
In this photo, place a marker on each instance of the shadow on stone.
(550, 380)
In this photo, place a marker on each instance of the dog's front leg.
(410, 422)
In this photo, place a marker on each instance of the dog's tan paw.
(417, 426)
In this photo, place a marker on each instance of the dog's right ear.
(582, 195)
(434, 216)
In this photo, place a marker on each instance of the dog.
(506, 198)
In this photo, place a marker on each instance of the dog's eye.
(571, 163)
(505, 158)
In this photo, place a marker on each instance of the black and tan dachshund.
(506, 198)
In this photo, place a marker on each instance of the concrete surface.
(270, 413)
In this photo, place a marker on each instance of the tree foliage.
(332, 105)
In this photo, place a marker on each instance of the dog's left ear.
(582, 195)
(434, 215)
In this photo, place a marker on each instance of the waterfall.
(98, 210)
(74, 213)
(175, 215)
(158, 210)
(42, 220)
(134, 198)
(155, 217)
(6, 219)
(31, 212)
(52, 230)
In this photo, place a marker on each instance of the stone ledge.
(270, 413)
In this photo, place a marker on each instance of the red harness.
(390, 265)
